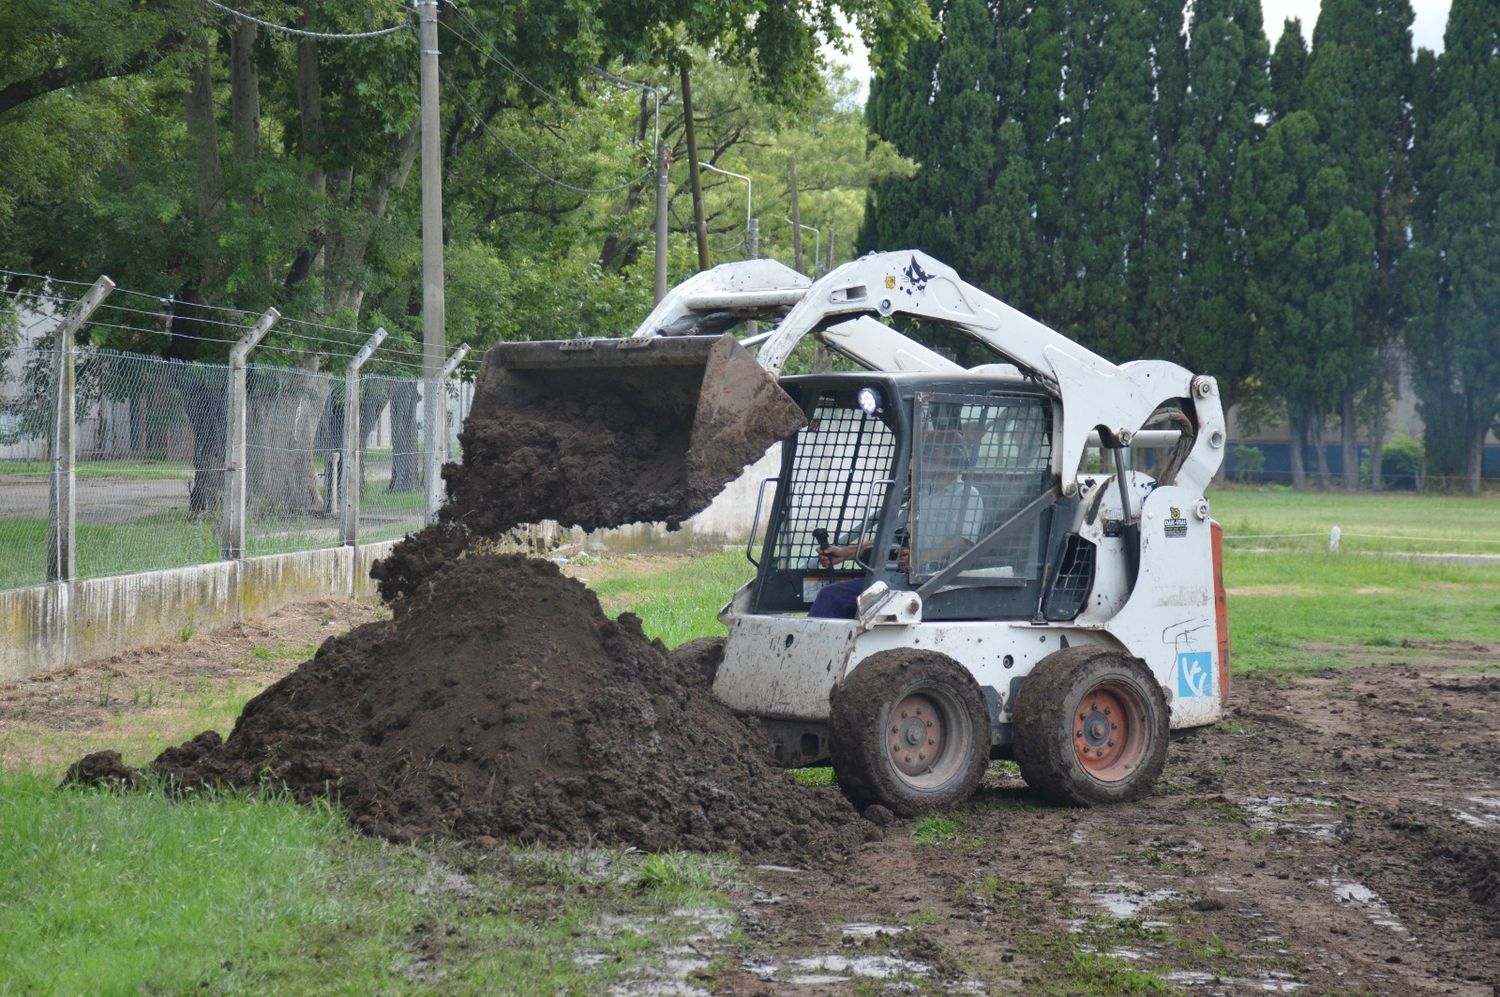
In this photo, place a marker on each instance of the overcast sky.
(1427, 31)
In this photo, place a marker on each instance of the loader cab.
(943, 482)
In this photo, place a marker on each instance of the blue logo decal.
(1195, 673)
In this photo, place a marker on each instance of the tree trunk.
(1350, 440)
(406, 448)
(1297, 423)
(284, 409)
(202, 129)
(244, 92)
(1320, 451)
(1377, 433)
(1478, 429)
(622, 249)
(204, 405)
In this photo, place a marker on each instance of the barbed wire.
(303, 33)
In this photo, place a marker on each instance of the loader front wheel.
(910, 731)
(1090, 727)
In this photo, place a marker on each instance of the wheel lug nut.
(921, 758)
(1106, 711)
(1111, 742)
(931, 742)
(1114, 726)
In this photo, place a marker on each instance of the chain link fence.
(151, 463)
(25, 465)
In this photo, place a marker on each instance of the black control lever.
(820, 535)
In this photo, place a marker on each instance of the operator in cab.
(950, 512)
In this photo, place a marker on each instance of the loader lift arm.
(1097, 396)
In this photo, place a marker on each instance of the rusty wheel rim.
(1109, 731)
(916, 735)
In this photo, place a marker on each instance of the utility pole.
(832, 235)
(754, 236)
(661, 219)
(700, 225)
(796, 219)
(434, 333)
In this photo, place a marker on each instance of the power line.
(301, 33)
(495, 55)
(527, 163)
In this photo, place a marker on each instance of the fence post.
(438, 438)
(232, 545)
(352, 465)
(61, 561)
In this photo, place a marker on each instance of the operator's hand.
(835, 554)
(903, 560)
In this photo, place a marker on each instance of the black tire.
(936, 696)
(1067, 721)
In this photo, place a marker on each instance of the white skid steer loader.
(1002, 580)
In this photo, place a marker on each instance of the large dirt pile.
(504, 703)
(500, 701)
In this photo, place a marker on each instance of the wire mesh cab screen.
(978, 461)
(840, 471)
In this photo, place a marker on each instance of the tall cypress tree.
(1357, 83)
(939, 110)
(1288, 69)
(1454, 338)
(1222, 104)
(1309, 254)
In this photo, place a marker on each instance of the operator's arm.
(835, 554)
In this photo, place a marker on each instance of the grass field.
(102, 892)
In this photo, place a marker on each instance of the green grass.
(1442, 523)
(937, 829)
(103, 892)
(1296, 611)
(681, 602)
(134, 470)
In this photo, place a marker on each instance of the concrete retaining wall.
(51, 626)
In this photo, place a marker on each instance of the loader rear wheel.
(909, 731)
(1090, 727)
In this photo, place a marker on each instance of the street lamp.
(752, 234)
(817, 243)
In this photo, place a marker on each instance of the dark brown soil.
(503, 703)
(101, 768)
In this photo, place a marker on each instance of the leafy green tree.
(1454, 273)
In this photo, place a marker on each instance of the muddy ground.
(1338, 833)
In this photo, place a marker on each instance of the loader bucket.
(610, 431)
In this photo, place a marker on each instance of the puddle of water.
(1274, 982)
(874, 967)
(1271, 813)
(1351, 892)
(862, 930)
(1125, 899)
(707, 930)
